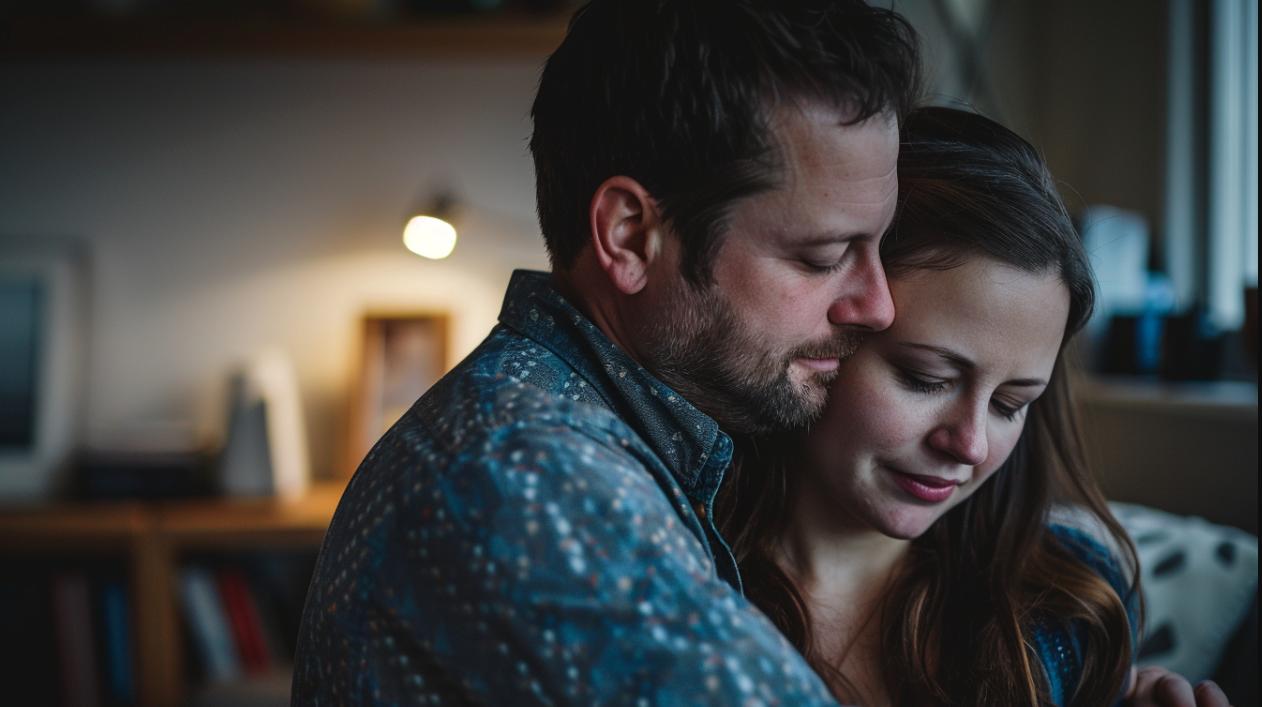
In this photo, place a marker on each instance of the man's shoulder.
(511, 390)
(511, 412)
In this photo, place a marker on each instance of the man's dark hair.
(676, 95)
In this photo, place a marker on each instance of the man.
(713, 178)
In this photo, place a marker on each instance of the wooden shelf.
(1224, 401)
(153, 536)
(474, 37)
(72, 528)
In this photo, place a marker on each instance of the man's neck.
(595, 299)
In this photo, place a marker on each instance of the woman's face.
(928, 409)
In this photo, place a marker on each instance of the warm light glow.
(429, 237)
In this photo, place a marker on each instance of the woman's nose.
(963, 437)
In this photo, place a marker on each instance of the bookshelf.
(152, 538)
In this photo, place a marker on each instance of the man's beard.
(703, 350)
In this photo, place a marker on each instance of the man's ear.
(626, 232)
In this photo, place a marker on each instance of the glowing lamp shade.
(429, 237)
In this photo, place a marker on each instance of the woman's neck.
(829, 552)
(842, 568)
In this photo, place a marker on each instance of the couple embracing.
(787, 424)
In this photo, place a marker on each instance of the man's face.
(796, 279)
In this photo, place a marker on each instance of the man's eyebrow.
(964, 362)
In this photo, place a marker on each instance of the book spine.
(208, 623)
(259, 629)
(244, 623)
(72, 619)
(271, 633)
(117, 628)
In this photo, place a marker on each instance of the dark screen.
(19, 334)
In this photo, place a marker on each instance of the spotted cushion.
(1200, 582)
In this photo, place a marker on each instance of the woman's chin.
(905, 523)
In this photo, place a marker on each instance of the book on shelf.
(243, 615)
(243, 612)
(208, 623)
(65, 635)
(76, 647)
(116, 638)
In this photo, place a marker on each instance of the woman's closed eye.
(821, 267)
(921, 383)
(1009, 409)
(918, 382)
(1007, 412)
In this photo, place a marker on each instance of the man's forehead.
(815, 138)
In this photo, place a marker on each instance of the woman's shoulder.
(1096, 555)
(1061, 642)
(1090, 541)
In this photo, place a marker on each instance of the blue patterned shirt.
(536, 531)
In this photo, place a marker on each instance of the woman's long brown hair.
(956, 627)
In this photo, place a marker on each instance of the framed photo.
(402, 355)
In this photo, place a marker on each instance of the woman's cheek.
(890, 420)
(1001, 445)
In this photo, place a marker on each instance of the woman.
(904, 544)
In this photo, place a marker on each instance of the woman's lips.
(926, 488)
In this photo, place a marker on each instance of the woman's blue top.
(1060, 643)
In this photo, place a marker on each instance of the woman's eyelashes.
(822, 268)
(918, 382)
(921, 383)
(1007, 411)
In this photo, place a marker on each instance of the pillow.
(1200, 582)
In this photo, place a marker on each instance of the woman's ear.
(626, 232)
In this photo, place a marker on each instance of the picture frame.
(401, 355)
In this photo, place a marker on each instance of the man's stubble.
(702, 349)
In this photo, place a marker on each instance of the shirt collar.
(686, 440)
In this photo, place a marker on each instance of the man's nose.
(963, 435)
(864, 300)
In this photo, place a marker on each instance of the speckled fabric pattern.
(535, 531)
(1060, 643)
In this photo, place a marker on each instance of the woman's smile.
(926, 488)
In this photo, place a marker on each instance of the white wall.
(232, 205)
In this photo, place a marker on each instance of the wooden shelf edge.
(445, 37)
(200, 523)
(1231, 402)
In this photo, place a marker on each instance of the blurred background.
(208, 312)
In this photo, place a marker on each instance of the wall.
(1098, 107)
(1084, 81)
(232, 205)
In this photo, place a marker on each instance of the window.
(1212, 155)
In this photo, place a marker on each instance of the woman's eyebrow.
(967, 364)
(828, 239)
(955, 357)
(1026, 382)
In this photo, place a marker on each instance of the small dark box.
(142, 476)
